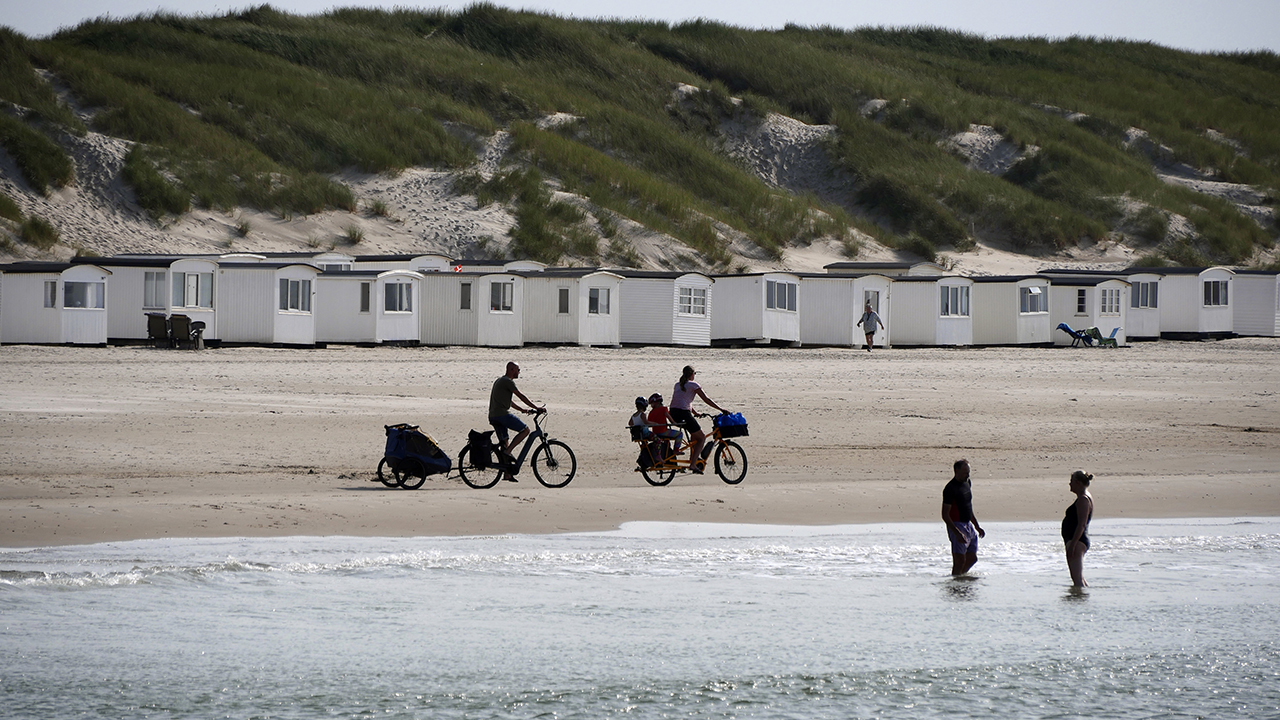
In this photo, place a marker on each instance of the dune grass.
(260, 108)
(43, 163)
(155, 193)
(9, 209)
(39, 232)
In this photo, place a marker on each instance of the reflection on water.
(655, 620)
(1076, 594)
(962, 587)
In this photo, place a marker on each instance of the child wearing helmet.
(660, 418)
(640, 425)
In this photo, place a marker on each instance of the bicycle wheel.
(386, 475)
(554, 464)
(474, 476)
(658, 478)
(731, 462)
(412, 473)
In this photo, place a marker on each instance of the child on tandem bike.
(659, 463)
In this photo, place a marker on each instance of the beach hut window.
(1215, 293)
(366, 290)
(598, 301)
(872, 298)
(1082, 301)
(1111, 301)
(50, 293)
(464, 302)
(84, 295)
(500, 296)
(398, 297)
(693, 301)
(153, 289)
(1144, 295)
(564, 301)
(193, 290)
(955, 301)
(1032, 300)
(780, 295)
(295, 295)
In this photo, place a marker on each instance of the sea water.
(1181, 619)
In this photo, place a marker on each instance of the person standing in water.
(962, 525)
(682, 414)
(1075, 526)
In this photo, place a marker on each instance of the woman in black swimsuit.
(1075, 526)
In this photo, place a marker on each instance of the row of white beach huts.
(330, 297)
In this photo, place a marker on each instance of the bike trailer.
(404, 440)
(731, 425)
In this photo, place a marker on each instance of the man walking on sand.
(868, 322)
(500, 416)
(962, 526)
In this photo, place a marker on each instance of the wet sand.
(101, 444)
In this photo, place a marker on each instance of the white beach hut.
(1143, 319)
(831, 305)
(1088, 300)
(473, 308)
(193, 292)
(54, 303)
(1256, 302)
(932, 310)
(1011, 310)
(369, 306)
(761, 308)
(1195, 302)
(139, 285)
(267, 303)
(665, 308)
(577, 306)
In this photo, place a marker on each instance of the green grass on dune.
(260, 108)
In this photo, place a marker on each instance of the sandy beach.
(102, 444)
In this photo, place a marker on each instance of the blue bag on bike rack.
(731, 425)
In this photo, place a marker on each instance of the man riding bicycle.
(501, 403)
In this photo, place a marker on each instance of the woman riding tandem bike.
(730, 460)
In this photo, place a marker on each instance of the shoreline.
(113, 444)
(698, 529)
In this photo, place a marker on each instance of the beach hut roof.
(1175, 270)
(656, 274)
(928, 278)
(158, 261)
(265, 265)
(1007, 278)
(34, 266)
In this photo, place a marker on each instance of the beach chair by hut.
(1078, 337)
(158, 330)
(1107, 341)
(179, 330)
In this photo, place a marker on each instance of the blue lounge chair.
(1077, 336)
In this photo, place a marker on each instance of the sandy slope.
(103, 444)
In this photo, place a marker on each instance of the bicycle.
(553, 462)
(730, 459)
